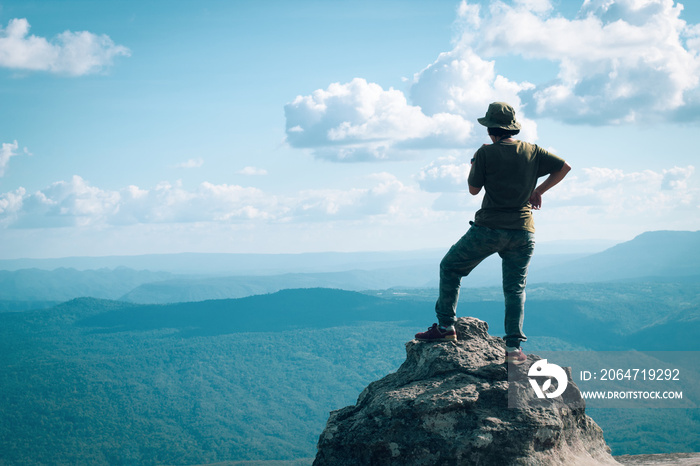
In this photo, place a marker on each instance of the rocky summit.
(448, 404)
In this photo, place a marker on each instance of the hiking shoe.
(434, 333)
(515, 357)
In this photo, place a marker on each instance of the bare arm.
(474, 191)
(552, 180)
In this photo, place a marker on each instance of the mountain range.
(656, 255)
(201, 380)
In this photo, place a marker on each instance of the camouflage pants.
(515, 248)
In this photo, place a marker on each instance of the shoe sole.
(453, 338)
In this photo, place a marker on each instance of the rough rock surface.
(663, 459)
(448, 405)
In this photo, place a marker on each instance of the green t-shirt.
(508, 171)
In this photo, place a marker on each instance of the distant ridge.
(651, 254)
(63, 284)
(273, 264)
(200, 289)
(283, 310)
(235, 264)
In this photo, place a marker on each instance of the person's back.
(508, 171)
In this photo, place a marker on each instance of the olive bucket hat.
(500, 115)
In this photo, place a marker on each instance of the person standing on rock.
(508, 171)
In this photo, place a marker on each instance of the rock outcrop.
(448, 404)
(661, 459)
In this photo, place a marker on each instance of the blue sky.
(273, 126)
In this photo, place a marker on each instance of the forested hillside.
(107, 382)
(82, 395)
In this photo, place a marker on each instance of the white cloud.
(76, 203)
(172, 203)
(360, 121)
(620, 194)
(7, 151)
(71, 203)
(252, 171)
(536, 6)
(619, 62)
(69, 53)
(597, 191)
(385, 213)
(461, 83)
(10, 205)
(601, 202)
(446, 174)
(191, 163)
(385, 197)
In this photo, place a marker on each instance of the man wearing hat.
(508, 171)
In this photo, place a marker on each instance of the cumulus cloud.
(597, 191)
(618, 61)
(628, 201)
(322, 204)
(361, 121)
(69, 53)
(446, 174)
(616, 192)
(7, 151)
(76, 203)
(10, 205)
(461, 83)
(208, 202)
(64, 203)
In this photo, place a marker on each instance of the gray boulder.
(448, 404)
